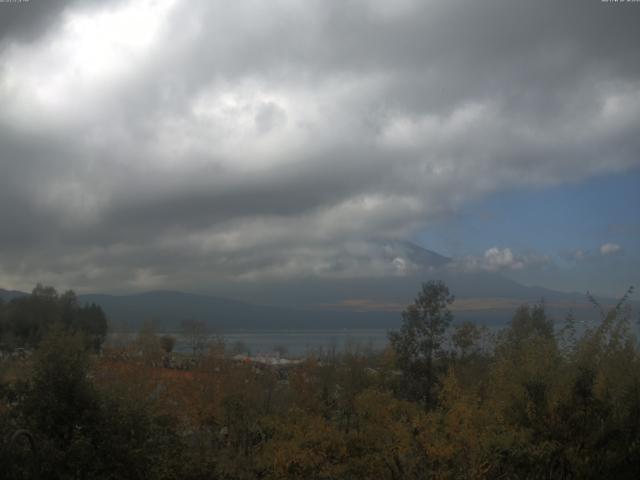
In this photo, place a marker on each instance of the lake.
(300, 343)
(291, 343)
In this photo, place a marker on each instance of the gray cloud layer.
(152, 143)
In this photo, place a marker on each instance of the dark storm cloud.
(172, 142)
(26, 21)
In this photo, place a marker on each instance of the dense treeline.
(25, 320)
(537, 400)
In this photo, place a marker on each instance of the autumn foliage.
(540, 399)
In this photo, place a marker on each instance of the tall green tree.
(84, 431)
(197, 335)
(61, 402)
(466, 339)
(24, 321)
(419, 341)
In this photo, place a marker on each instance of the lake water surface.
(291, 343)
(299, 343)
(294, 343)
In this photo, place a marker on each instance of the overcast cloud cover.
(175, 143)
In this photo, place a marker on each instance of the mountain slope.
(334, 303)
(8, 295)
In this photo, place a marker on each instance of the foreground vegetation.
(443, 401)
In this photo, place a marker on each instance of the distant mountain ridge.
(333, 303)
(168, 308)
(8, 295)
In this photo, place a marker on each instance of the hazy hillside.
(335, 303)
(7, 295)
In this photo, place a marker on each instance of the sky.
(152, 144)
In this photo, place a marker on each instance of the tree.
(196, 333)
(420, 338)
(529, 321)
(465, 338)
(149, 345)
(28, 318)
(167, 343)
(529, 325)
(44, 292)
(61, 402)
(83, 430)
(93, 323)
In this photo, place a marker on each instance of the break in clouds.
(150, 143)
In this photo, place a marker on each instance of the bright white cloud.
(579, 254)
(610, 249)
(84, 59)
(497, 259)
